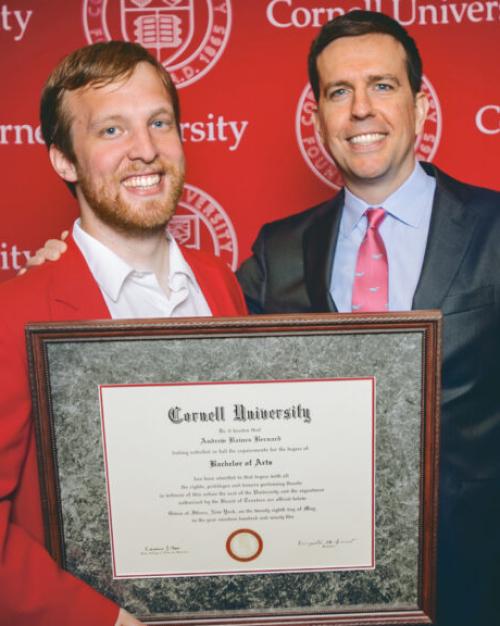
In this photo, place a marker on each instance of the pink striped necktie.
(370, 287)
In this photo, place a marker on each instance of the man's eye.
(336, 93)
(111, 131)
(160, 123)
(383, 87)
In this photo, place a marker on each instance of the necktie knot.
(375, 217)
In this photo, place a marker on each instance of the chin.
(371, 168)
(141, 220)
(141, 229)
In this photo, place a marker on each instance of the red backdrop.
(241, 69)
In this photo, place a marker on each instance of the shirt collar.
(110, 271)
(179, 267)
(404, 204)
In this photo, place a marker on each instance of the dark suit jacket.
(290, 271)
(33, 590)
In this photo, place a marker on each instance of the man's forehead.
(362, 51)
(118, 95)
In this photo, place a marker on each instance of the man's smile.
(366, 139)
(143, 182)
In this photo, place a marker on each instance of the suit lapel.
(450, 234)
(74, 293)
(320, 240)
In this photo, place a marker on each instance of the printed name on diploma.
(239, 413)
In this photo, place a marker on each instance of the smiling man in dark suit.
(403, 235)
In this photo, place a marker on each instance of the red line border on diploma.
(370, 566)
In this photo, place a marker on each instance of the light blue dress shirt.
(404, 231)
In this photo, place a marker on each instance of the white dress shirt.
(404, 232)
(131, 293)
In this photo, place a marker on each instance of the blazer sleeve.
(251, 276)
(33, 589)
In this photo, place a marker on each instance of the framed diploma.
(271, 469)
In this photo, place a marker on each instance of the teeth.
(368, 138)
(142, 182)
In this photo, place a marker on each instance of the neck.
(148, 252)
(376, 191)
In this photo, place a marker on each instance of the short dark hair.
(98, 64)
(355, 24)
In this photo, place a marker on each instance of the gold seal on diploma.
(244, 544)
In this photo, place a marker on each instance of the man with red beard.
(110, 119)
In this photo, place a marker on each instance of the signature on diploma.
(162, 550)
(324, 543)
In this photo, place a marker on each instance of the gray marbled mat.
(76, 369)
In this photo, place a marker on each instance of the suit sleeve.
(33, 589)
(252, 276)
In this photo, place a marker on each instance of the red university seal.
(186, 36)
(200, 222)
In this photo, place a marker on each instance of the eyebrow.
(118, 117)
(161, 111)
(371, 78)
(105, 119)
(375, 78)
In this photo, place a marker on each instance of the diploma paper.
(221, 478)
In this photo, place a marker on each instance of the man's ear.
(62, 165)
(421, 110)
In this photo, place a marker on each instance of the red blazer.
(34, 591)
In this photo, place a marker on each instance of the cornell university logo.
(322, 164)
(200, 222)
(186, 36)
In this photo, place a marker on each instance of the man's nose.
(362, 105)
(142, 145)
